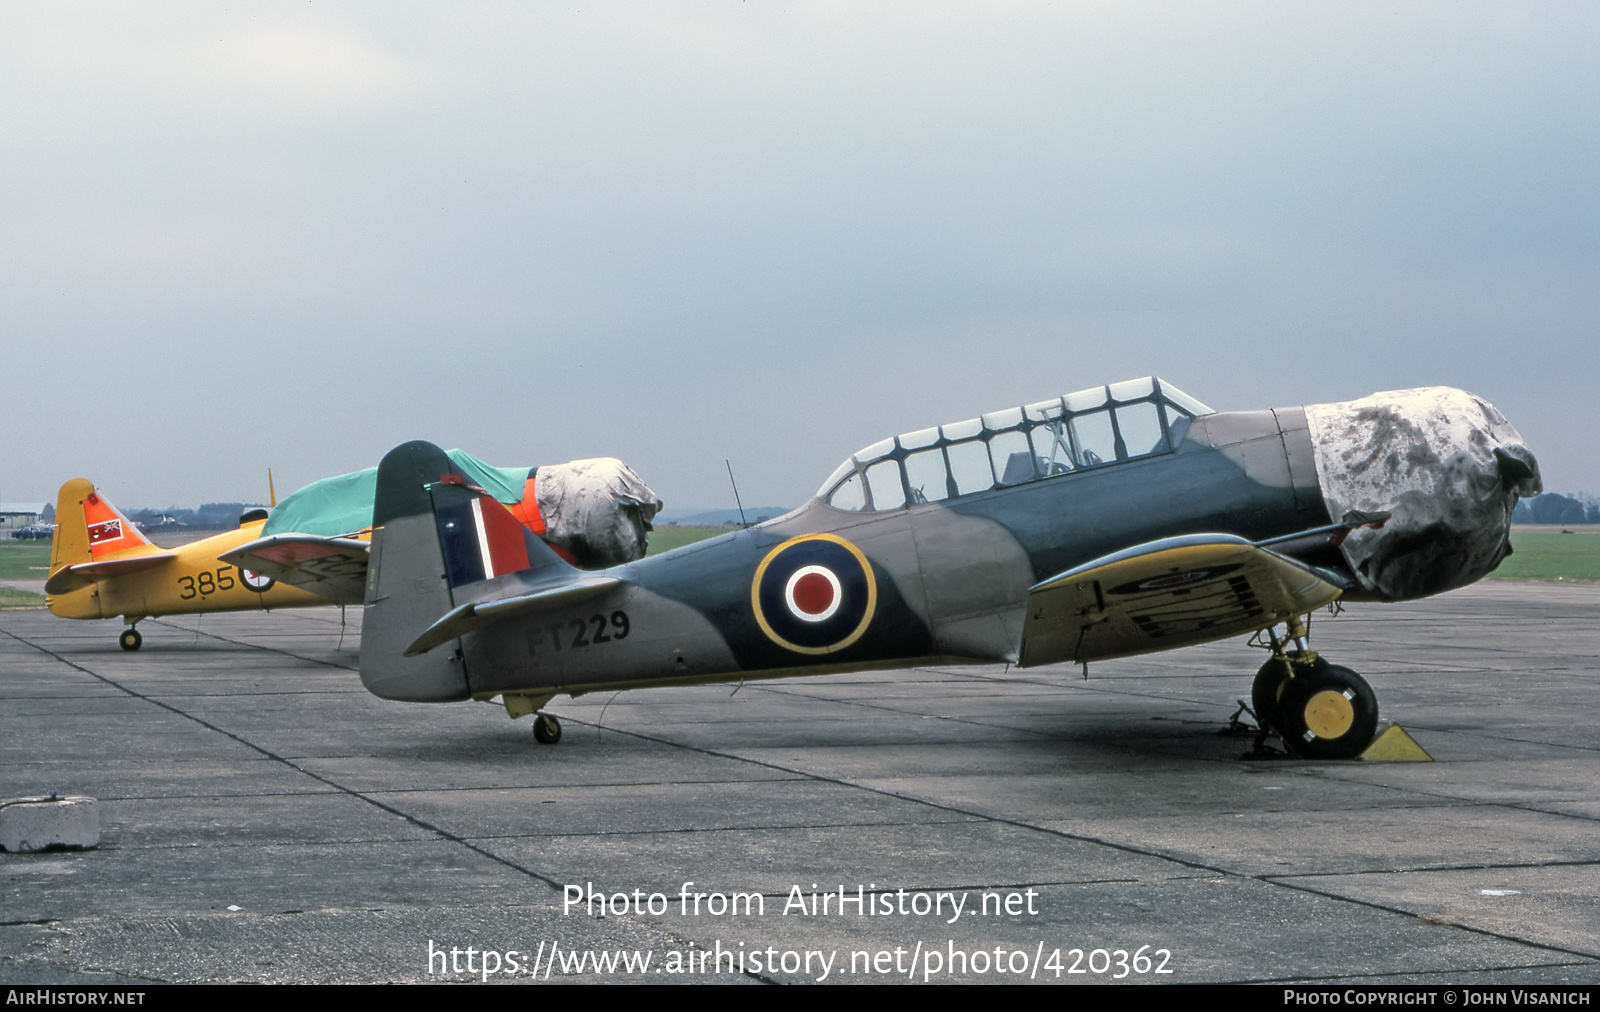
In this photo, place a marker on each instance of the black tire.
(1267, 691)
(130, 639)
(1327, 712)
(546, 729)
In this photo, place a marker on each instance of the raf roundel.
(258, 582)
(814, 594)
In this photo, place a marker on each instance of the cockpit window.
(963, 430)
(1012, 456)
(884, 485)
(1087, 429)
(927, 476)
(1139, 425)
(848, 494)
(1095, 438)
(1054, 449)
(969, 466)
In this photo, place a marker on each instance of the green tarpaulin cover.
(343, 504)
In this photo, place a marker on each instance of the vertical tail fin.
(438, 541)
(88, 527)
(407, 586)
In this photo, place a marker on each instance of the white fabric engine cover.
(1428, 457)
(597, 509)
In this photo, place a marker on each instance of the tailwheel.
(1326, 712)
(130, 639)
(546, 729)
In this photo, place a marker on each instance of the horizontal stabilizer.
(70, 578)
(334, 568)
(476, 614)
(1166, 594)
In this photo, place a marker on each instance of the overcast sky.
(243, 236)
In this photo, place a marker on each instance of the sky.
(246, 236)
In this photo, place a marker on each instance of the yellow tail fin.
(88, 527)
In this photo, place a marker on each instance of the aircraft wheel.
(1267, 690)
(130, 639)
(1327, 712)
(546, 729)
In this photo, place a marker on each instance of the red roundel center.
(813, 593)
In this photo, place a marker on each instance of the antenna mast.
(736, 493)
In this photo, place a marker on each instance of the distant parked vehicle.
(35, 533)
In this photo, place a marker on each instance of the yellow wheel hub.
(1329, 714)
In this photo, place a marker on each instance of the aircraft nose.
(1446, 465)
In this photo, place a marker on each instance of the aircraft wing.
(335, 568)
(70, 578)
(1166, 594)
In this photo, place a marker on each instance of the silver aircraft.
(1119, 520)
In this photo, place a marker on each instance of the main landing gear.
(130, 638)
(1320, 710)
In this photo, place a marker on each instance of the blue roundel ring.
(814, 594)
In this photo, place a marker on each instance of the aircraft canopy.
(1091, 428)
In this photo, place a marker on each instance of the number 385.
(205, 584)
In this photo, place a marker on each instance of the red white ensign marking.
(813, 594)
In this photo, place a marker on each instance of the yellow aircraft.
(101, 566)
(594, 513)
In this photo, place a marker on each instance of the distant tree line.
(217, 515)
(1555, 508)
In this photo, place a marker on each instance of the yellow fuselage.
(192, 580)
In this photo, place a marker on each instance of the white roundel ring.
(813, 594)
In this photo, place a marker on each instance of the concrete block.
(68, 820)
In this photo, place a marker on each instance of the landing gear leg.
(1320, 710)
(546, 729)
(130, 638)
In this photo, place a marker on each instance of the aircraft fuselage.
(933, 546)
(950, 577)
